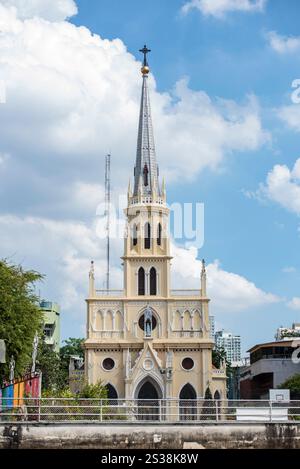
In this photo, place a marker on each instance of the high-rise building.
(148, 341)
(212, 327)
(231, 344)
(51, 313)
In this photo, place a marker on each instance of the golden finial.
(145, 68)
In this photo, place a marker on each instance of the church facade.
(149, 341)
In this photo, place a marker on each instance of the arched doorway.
(112, 394)
(111, 403)
(188, 403)
(148, 395)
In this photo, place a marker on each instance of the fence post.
(39, 410)
(270, 406)
(217, 410)
(160, 415)
(100, 410)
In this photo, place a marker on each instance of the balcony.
(188, 333)
(107, 335)
(217, 373)
(147, 200)
(110, 293)
(121, 293)
(186, 293)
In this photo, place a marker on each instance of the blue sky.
(251, 222)
(228, 58)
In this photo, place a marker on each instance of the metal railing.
(187, 333)
(159, 411)
(110, 293)
(185, 292)
(107, 334)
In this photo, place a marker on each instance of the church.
(149, 341)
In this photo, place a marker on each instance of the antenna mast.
(107, 214)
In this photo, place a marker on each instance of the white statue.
(12, 365)
(148, 322)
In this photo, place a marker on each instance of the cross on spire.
(145, 51)
(146, 170)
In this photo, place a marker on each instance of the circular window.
(142, 322)
(148, 364)
(187, 363)
(108, 364)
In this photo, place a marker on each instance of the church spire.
(146, 171)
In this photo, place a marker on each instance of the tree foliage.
(48, 362)
(219, 356)
(88, 391)
(73, 346)
(93, 391)
(20, 316)
(293, 384)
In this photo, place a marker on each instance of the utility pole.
(107, 214)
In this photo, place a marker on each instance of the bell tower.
(146, 249)
(148, 341)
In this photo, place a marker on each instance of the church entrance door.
(148, 402)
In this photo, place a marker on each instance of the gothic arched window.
(146, 171)
(141, 281)
(159, 230)
(134, 235)
(147, 235)
(153, 281)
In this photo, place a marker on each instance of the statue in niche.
(148, 322)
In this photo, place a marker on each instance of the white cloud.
(3, 158)
(72, 96)
(61, 250)
(218, 8)
(52, 10)
(282, 186)
(289, 270)
(294, 304)
(283, 44)
(228, 291)
(291, 116)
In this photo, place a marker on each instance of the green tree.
(219, 356)
(72, 346)
(93, 391)
(293, 384)
(88, 391)
(48, 362)
(20, 316)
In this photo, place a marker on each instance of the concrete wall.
(281, 369)
(95, 436)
